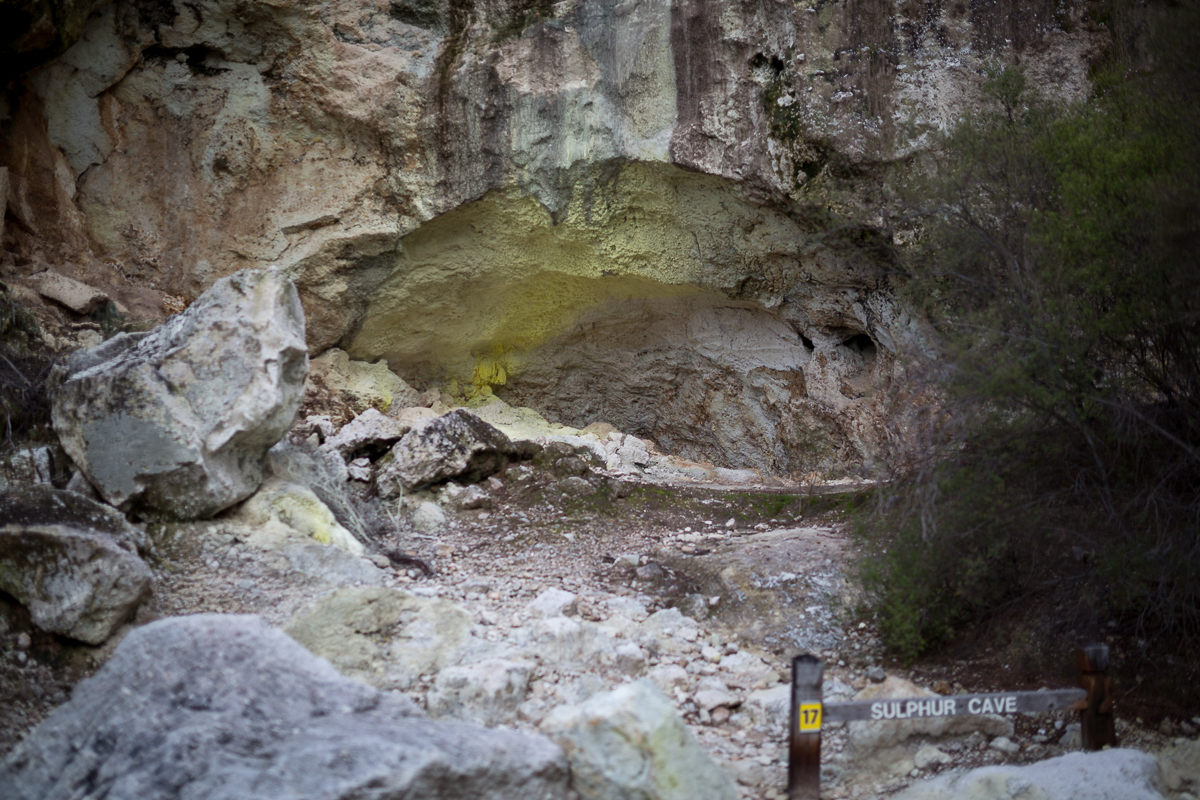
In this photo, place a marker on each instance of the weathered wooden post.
(804, 747)
(1096, 719)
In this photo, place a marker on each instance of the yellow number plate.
(810, 717)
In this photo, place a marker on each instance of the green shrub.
(1059, 264)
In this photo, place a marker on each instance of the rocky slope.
(674, 205)
(632, 613)
(540, 599)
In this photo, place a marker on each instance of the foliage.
(1059, 264)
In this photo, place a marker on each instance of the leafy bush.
(1059, 264)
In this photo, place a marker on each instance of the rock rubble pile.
(475, 600)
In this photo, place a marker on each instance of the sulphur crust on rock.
(477, 289)
(299, 509)
(362, 384)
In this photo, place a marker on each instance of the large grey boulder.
(1109, 775)
(175, 425)
(71, 561)
(225, 707)
(457, 444)
(630, 743)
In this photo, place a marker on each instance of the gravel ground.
(761, 570)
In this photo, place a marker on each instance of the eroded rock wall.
(473, 188)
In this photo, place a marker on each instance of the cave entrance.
(657, 301)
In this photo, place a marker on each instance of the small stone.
(428, 517)
(876, 675)
(731, 523)
(942, 687)
(457, 444)
(669, 677)
(553, 603)
(747, 773)
(649, 572)
(631, 659)
(486, 693)
(24, 642)
(359, 469)
(370, 429)
(1072, 738)
(928, 756)
(1005, 745)
(75, 295)
(713, 693)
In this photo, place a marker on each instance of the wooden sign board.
(957, 705)
(809, 713)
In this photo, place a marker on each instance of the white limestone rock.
(553, 602)
(712, 692)
(669, 677)
(487, 692)
(177, 424)
(299, 508)
(628, 607)
(26, 467)
(75, 295)
(745, 669)
(633, 453)
(564, 642)
(385, 637)
(428, 517)
(630, 658)
(1110, 775)
(928, 756)
(630, 743)
(361, 384)
(772, 705)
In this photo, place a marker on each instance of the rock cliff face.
(621, 211)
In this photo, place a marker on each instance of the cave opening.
(632, 309)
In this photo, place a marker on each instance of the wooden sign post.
(1096, 719)
(804, 749)
(809, 713)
